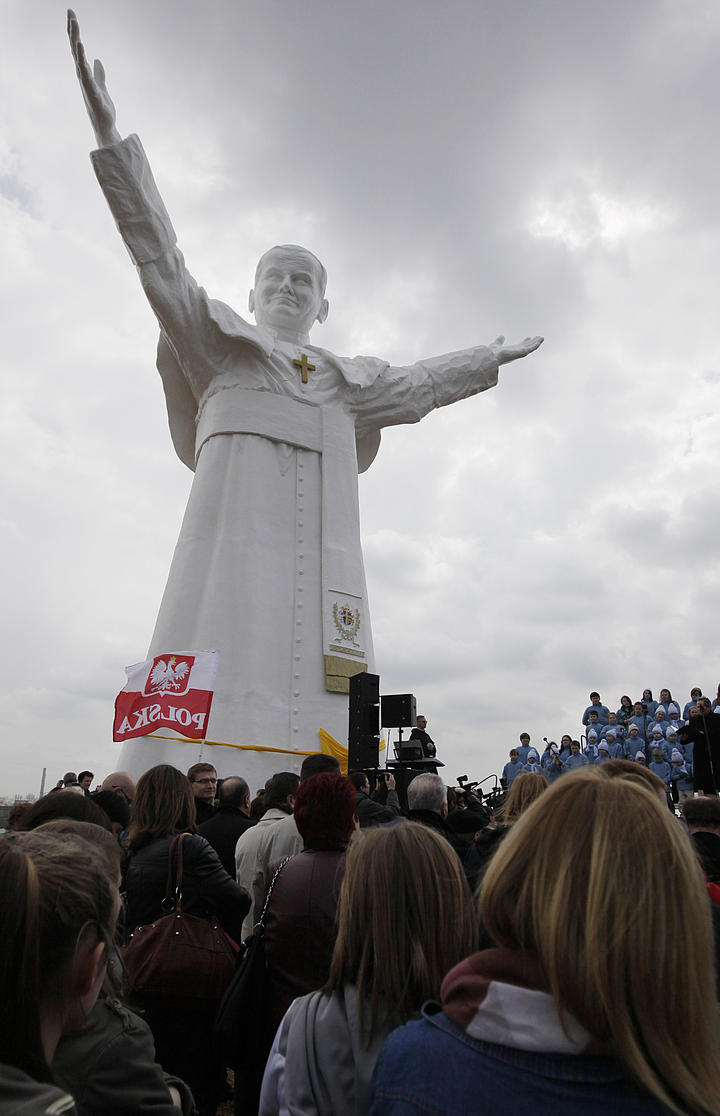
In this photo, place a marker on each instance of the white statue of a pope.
(268, 567)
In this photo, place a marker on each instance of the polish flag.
(173, 690)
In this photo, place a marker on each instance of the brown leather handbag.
(179, 957)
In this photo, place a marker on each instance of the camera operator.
(370, 810)
(466, 813)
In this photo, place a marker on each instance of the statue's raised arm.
(98, 101)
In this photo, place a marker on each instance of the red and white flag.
(173, 691)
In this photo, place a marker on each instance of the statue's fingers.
(73, 28)
(499, 340)
(99, 73)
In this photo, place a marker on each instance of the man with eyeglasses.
(203, 780)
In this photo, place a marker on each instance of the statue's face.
(288, 293)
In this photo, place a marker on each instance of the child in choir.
(681, 778)
(576, 758)
(659, 765)
(512, 769)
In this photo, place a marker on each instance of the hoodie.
(317, 1064)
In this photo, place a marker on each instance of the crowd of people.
(422, 956)
(676, 744)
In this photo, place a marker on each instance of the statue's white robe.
(269, 551)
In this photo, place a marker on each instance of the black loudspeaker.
(398, 710)
(363, 721)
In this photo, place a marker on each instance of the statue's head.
(289, 292)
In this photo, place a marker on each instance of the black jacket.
(223, 830)
(372, 813)
(204, 810)
(207, 889)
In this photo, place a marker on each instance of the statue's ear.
(322, 312)
(251, 302)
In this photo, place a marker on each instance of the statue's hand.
(98, 102)
(506, 353)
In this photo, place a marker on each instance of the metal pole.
(42, 782)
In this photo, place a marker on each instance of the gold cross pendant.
(304, 366)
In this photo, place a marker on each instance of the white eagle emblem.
(166, 677)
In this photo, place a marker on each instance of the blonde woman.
(525, 790)
(406, 913)
(576, 1010)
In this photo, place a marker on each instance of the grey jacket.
(318, 1065)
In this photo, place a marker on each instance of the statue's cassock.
(268, 567)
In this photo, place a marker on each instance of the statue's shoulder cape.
(182, 406)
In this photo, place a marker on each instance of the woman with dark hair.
(301, 916)
(301, 919)
(57, 919)
(647, 700)
(569, 1012)
(625, 711)
(666, 698)
(163, 808)
(565, 743)
(406, 915)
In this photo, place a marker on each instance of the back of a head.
(406, 916)
(325, 811)
(122, 783)
(525, 790)
(600, 883)
(114, 806)
(281, 785)
(316, 764)
(55, 895)
(633, 772)
(426, 792)
(163, 802)
(233, 792)
(104, 842)
(703, 811)
(64, 804)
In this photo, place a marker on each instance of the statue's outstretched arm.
(406, 395)
(98, 101)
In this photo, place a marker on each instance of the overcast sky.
(463, 170)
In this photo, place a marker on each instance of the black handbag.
(179, 957)
(240, 1023)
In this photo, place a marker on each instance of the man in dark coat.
(370, 810)
(703, 729)
(427, 801)
(702, 817)
(203, 782)
(231, 818)
(420, 736)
